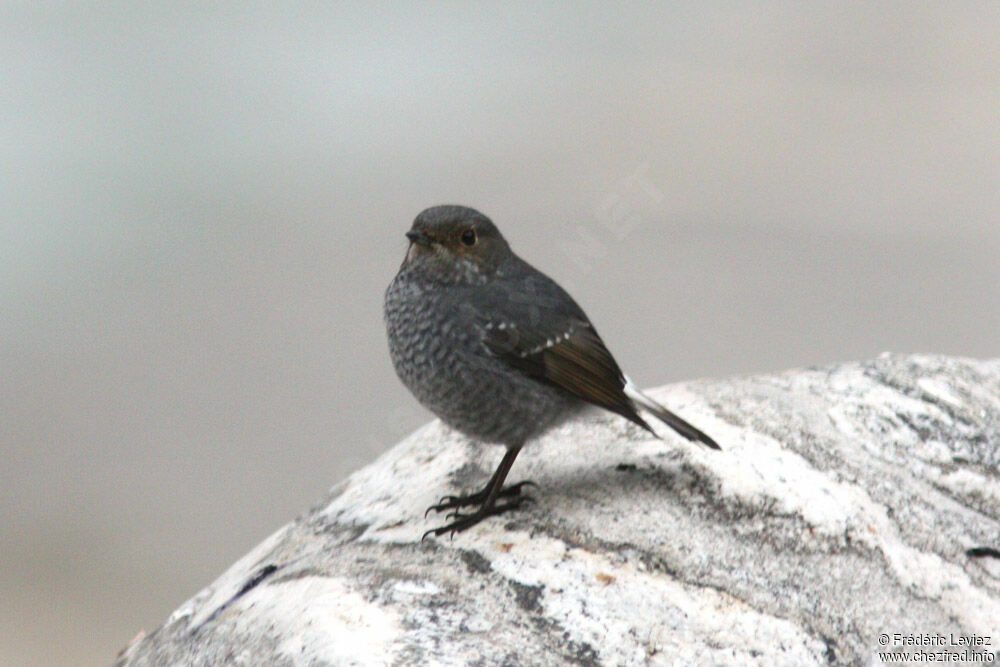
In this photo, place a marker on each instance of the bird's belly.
(456, 378)
(500, 408)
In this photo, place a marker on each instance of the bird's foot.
(464, 521)
(478, 498)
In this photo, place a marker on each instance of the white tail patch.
(640, 398)
(666, 416)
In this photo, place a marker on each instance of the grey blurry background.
(201, 207)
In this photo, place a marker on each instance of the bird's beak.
(417, 236)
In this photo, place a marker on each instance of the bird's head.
(455, 244)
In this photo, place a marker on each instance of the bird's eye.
(469, 237)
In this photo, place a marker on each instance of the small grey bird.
(497, 349)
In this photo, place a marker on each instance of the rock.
(850, 502)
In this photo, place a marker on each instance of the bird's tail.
(667, 417)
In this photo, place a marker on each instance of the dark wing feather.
(567, 353)
(533, 325)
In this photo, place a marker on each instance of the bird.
(498, 351)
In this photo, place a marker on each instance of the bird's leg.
(486, 499)
(480, 497)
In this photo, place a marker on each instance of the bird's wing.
(539, 330)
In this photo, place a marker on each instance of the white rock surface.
(842, 507)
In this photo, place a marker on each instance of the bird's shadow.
(678, 482)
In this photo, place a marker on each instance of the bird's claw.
(463, 521)
(455, 502)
